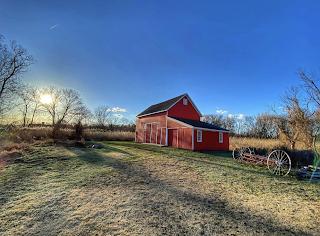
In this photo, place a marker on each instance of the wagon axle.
(278, 161)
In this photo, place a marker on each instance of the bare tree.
(265, 127)
(66, 105)
(56, 99)
(230, 123)
(297, 123)
(34, 93)
(24, 94)
(14, 61)
(103, 115)
(214, 119)
(310, 85)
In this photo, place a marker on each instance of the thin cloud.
(54, 26)
(118, 109)
(221, 111)
(236, 116)
(118, 115)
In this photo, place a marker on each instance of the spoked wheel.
(279, 162)
(238, 153)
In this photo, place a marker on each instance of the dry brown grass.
(43, 133)
(98, 135)
(134, 189)
(269, 144)
(257, 143)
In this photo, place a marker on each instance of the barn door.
(148, 133)
(154, 133)
(173, 138)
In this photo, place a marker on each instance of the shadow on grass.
(131, 176)
(205, 157)
(149, 189)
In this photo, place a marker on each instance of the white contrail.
(54, 26)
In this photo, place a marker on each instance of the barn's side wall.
(179, 135)
(210, 141)
(155, 131)
(174, 124)
(184, 111)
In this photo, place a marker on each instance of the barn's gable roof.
(165, 106)
(198, 124)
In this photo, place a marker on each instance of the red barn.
(176, 123)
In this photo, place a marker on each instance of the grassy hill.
(126, 188)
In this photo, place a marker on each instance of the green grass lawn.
(126, 188)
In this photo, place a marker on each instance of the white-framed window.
(199, 136)
(185, 101)
(220, 137)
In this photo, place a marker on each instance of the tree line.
(298, 119)
(24, 104)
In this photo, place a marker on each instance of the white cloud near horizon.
(221, 111)
(118, 109)
(237, 116)
(118, 115)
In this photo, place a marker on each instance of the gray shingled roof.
(160, 107)
(199, 124)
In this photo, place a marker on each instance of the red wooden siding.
(210, 141)
(183, 135)
(185, 138)
(159, 129)
(184, 111)
(174, 124)
(144, 131)
(172, 137)
(164, 134)
(148, 134)
(154, 133)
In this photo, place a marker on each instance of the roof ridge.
(162, 106)
(169, 100)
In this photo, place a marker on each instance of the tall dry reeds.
(263, 143)
(29, 135)
(99, 135)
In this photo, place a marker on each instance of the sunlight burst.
(46, 99)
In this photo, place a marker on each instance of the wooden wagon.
(278, 161)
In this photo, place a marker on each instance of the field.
(126, 188)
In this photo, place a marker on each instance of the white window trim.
(199, 136)
(220, 137)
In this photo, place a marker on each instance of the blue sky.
(234, 56)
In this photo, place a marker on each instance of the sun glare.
(46, 99)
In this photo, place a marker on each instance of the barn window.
(220, 137)
(199, 136)
(185, 101)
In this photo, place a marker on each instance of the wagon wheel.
(237, 153)
(279, 162)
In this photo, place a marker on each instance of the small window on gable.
(220, 137)
(185, 101)
(199, 136)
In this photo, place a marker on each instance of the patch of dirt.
(6, 157)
